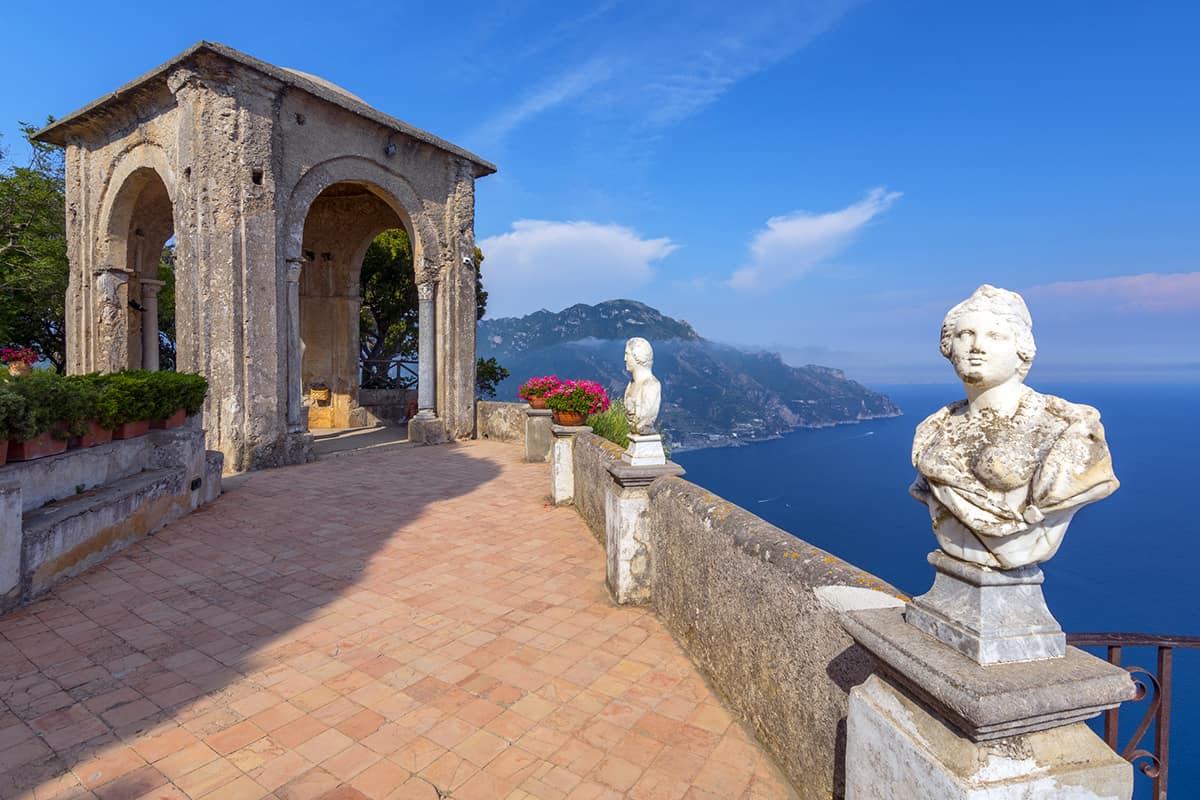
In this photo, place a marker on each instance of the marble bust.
(1004, 471)
(643, 395)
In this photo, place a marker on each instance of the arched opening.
(141, 227)
(357, 364)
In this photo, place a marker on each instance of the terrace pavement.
(403, 622)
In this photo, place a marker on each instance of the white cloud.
(795, 243)
(547, 264)
(1151, 292)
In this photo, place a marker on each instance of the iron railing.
(1153, 688)
(387, 373)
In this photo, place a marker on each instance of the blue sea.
(1127, 564)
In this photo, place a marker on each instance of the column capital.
(150, 287)
(425, 290)
(294, 265)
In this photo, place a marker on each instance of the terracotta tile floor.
(397, 623)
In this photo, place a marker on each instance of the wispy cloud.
(558, 91)
(658, 64)
(795, 243)
(1151, 292)
(524, 267)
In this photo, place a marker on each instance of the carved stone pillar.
(150, 289)
(112, 321)
(295, 349)
(427, 351)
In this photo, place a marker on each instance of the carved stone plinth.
(988, 702)
(644, 450)
(993, 616)
(627, 542)
(895, 747)
(562, 462)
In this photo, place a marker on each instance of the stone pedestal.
(562, 462)
(644, 450)
(896, 748)
(934, 723)
(993, 616)
(627, 541)
(426, 429)
(538, 436)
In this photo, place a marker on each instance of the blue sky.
(820, 178)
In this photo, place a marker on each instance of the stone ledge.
(995, 701)
(631, 477)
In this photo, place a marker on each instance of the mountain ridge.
(713, 394)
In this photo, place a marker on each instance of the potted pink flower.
(19, 360)
(574, 401)
(534, 390)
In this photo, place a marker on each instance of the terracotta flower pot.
(3, 451)
(173, 421)
(95, 435)
(19, 369)
(569, 418)
(537, 402)
(129, 430)
(41, 445)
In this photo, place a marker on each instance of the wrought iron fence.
(1154, 688)
(387, 373)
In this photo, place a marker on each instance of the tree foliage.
(388, 319)
(387, 323)
(33, 252)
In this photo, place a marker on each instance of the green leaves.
(33, 252)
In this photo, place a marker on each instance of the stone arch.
(137, 218)
(391, 187)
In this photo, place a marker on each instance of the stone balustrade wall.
(757, 611)
(503, 422)
(593, 454)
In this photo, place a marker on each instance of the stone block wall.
(757, 611)
(503, 422)
(593, 454)
(62, 514)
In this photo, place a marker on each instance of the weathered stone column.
(427, 351)
(150, 289)
(295, 349)
(538, 435)
(112, 323)
(627, 539)
(562, 462)
(426, 427)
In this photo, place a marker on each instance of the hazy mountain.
(713, 394)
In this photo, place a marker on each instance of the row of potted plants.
(572, 401)
(43, 413)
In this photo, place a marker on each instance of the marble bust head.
(1004, 471)
(643, 395)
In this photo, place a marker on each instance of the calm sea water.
(1127, 563)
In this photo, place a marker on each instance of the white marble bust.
(643, 395)
(1005, 470)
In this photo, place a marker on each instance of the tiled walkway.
(400, 623)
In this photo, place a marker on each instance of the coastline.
(729, 442)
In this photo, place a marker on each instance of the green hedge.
(45, 401)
